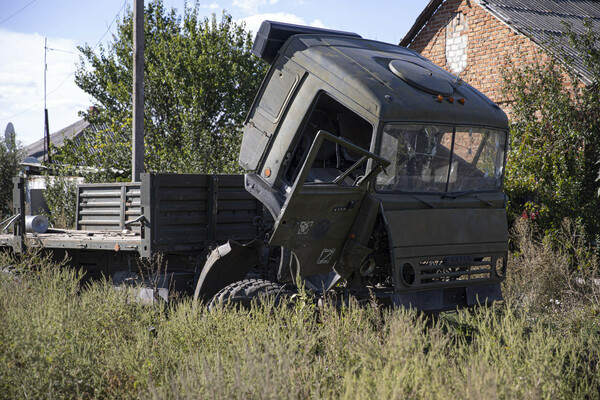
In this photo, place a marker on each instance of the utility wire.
(72, 73)
(97, 44)
(110, 25)
(60, 50)
(54, 90)
(22, 8)
(22, 112)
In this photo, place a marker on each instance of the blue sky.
(69, 23)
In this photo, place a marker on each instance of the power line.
(22, 112)
(22, 8)
(54, 90)
(62, 83)
(97, 44)
(110, 25)
(60, 50)
(72, 73)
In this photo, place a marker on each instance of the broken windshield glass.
(441, 159)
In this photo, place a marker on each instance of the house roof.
(37, 149)
(543, 21)
(78, 131)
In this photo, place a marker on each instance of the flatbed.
(178, 218)
(74, 239)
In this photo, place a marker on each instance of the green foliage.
(9, 168)
(552, 164)
(59, 339)
(200, 80)
(61, 197)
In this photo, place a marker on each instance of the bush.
(9, 168)
(552, 163)
(61, 197)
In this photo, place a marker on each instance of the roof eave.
(421, 21)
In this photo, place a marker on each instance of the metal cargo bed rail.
(108, 207)
(15, 225)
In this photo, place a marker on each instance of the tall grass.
(556, 278)
(60, 340)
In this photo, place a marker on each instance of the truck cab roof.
(391, 82)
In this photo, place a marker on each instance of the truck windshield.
(441, 159)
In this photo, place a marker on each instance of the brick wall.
(465, 39)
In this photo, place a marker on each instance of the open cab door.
(320, 209)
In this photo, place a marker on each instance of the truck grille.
(451, 271)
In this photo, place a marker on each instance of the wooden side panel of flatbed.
(72, 239)
(189, 212)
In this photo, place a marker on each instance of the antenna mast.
(46, 127)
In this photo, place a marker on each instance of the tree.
(200, 80)
(555, 141)
(9, 168)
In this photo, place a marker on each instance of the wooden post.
(137, 140)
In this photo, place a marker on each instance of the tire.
(242, 292)
(256, 275)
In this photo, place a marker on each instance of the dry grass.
(553, 277)
(59, 340)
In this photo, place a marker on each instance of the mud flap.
(321, 283)
(353, 254)
(226, 264)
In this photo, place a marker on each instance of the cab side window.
(332, 159)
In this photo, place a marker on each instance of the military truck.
(370, 171)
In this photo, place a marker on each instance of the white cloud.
(252, 6)
(22, 84)
(318, 23)
(253, 22)
(211, 6)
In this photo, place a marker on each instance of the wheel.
(242, 292)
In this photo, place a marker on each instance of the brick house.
(475, 39)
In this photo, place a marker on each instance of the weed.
(59, 338)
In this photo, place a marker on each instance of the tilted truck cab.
(378, 167)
